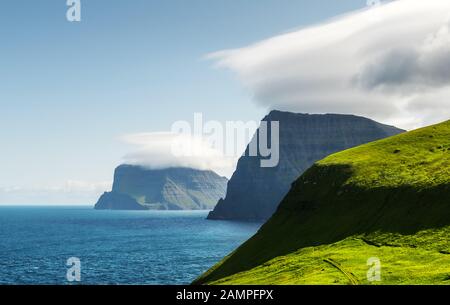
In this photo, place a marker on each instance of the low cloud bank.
(157, 150)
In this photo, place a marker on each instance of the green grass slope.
(388, 199)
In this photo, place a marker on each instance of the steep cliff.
(254, 192)
(163, 189)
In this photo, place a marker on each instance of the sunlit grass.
(404, 260)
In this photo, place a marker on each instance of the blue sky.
(68, 91)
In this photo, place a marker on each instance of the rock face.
(137, 188)
(118, 201)
(254, 192)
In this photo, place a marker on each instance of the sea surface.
(114, 247)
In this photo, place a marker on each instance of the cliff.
(136, 187)
(254, 192)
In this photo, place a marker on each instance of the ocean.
(113, 247)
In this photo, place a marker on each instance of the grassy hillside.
(389, 199)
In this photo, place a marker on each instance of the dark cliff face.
(254, 192)
(165, 189)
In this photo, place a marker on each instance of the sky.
(77, 99)
(390, 63)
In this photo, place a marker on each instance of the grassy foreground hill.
(388, 199)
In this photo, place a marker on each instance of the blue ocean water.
(115, 247)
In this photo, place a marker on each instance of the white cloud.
(412, 70)
(158, 150)
(70, 192)
(390, 63)
(84, 186)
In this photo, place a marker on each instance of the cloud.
(418, 69)
(389, 62)
(158, 150)
(70, 192)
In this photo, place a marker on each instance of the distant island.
(139, 188)
(254, 192)
(385, 201)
